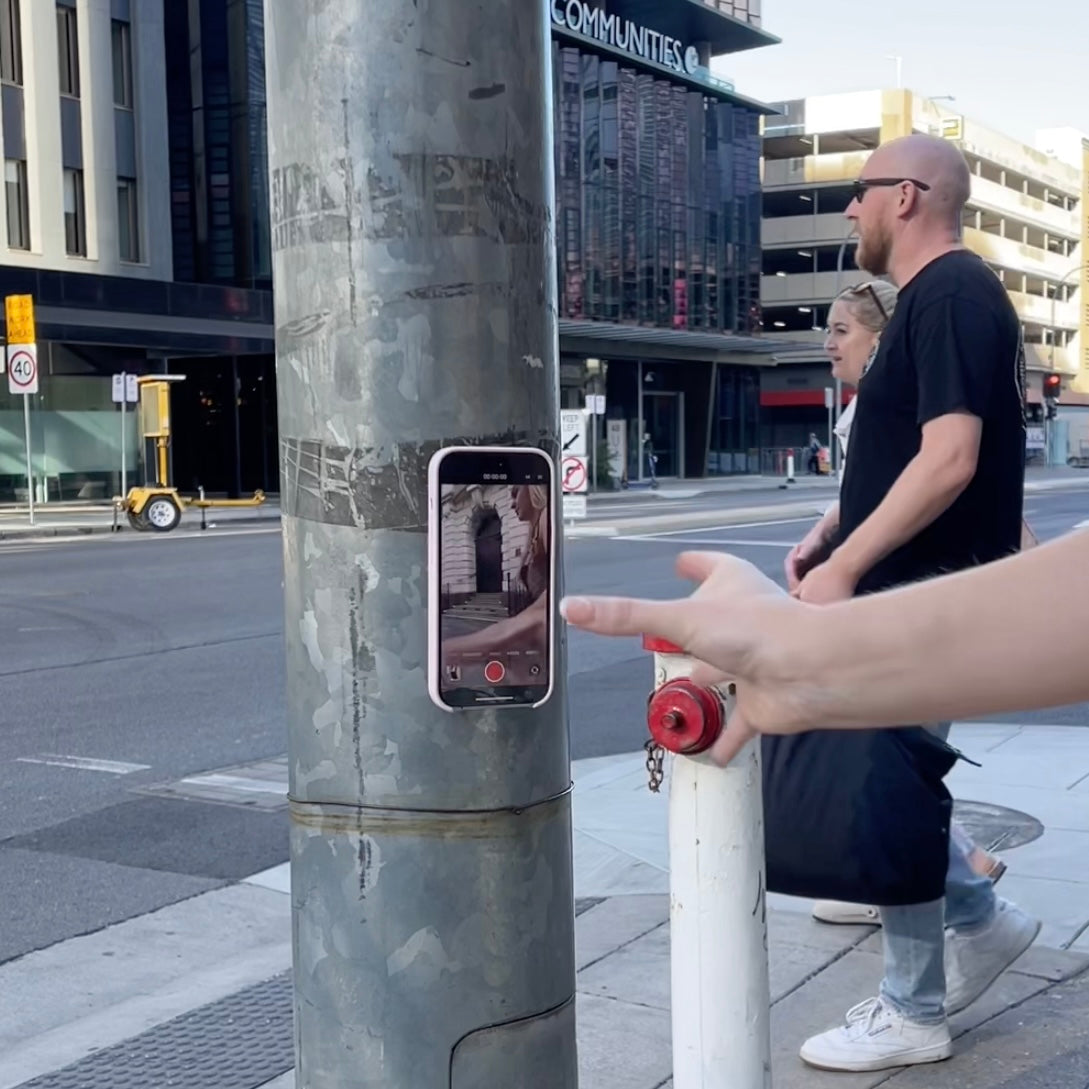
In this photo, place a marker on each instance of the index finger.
(627, 616)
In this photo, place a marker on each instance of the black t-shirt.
(954, 344)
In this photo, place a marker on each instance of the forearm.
(1002, 637)
(921, 494)
(503, 634)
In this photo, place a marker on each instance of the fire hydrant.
(718, 917)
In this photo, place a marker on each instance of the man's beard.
(873, 251)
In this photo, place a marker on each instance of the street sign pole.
(414, 268)
(21, 356)
(29, 469)
(120, 387)
(593, 449)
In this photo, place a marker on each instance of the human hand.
(828, 583)
(737, 623)
(810, 551)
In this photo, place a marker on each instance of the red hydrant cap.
(660, 646)
(684, 717)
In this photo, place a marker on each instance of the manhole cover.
(996, 828)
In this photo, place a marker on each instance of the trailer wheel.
(162, 514)
(136, 520)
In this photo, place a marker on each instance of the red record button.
(494, 672)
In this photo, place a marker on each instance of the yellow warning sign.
(19, 311)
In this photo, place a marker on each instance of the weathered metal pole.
(411, 157)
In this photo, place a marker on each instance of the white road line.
(730, 528)
(710, 541)
(84, 763)
(36, 544)
(237, 782)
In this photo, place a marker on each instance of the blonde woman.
(856, 320)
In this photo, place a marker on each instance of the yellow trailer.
(157, 504)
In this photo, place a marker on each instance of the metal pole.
(236, 393)
(718, 917)
(414, 263)
(29, 468)
(593, 445)
(124, 399)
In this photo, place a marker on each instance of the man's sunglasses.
(858, 190)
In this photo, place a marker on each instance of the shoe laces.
(864, 1016)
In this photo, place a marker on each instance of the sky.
(1015, 67)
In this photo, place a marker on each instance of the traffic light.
(1053, 385)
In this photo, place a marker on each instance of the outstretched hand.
(736, 622)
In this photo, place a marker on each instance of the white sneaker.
(974, 961)
(876, 1037)
(843, 914)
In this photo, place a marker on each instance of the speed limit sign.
(22, 368)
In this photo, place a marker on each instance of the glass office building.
(658, 231)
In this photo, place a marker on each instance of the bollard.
(790, 469)
(718, 913)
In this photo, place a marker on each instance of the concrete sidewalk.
(198, 995)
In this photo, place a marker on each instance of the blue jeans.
(914, 935)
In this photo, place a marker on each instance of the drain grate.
(996, 827)
(240, 1042)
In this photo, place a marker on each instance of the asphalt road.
(157, 658)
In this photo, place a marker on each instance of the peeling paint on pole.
(410, 160)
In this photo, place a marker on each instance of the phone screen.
(495, 577)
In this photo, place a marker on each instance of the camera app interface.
(495, 560)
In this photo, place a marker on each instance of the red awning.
(798, 398)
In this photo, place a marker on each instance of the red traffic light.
(1052, 385)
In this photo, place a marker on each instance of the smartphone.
(491, 578)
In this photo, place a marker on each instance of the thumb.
(707, 675)
(700, 566)
(734, 737)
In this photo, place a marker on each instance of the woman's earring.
(872, 356)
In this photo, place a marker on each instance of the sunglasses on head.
(867, 289)
(858, 190)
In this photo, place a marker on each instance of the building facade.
(88, 233)
(137, 202)
(658, 231)
(1027, 217)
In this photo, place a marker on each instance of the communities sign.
(640, 41)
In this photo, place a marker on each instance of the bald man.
(934, 484)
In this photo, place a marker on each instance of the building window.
(122, 64)
(128, 220)
(68, 50)
(15, 194)
(75, 222)
(11, 43)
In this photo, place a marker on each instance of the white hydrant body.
(718, 915)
